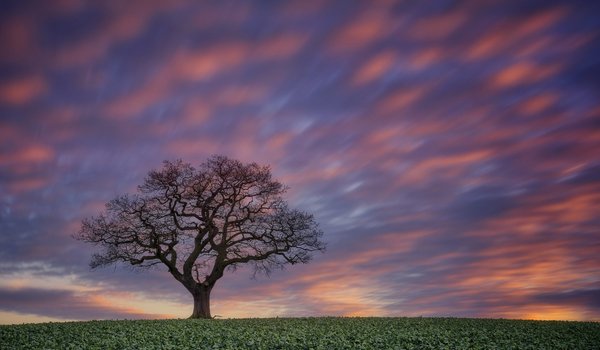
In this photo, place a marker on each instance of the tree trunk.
(201, 302)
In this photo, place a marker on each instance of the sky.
(448, 149)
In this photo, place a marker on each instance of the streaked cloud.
(22, 90)
(448, 150)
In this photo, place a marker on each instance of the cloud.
(517, 34)
(363, 29)
(539, 103)
(17, 35)
(481, 203)
(437, 27)
(375, 68)
(585, 298)
(448, 150)
(402, 99)
(585, 175)
(281, 46)
(522, 72)
(66, 304)
(444, 166)
(204, 63)
(20, 164)
(117, 28)
(22, 90)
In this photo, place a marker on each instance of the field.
(305, 333)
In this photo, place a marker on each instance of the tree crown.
(200, 221)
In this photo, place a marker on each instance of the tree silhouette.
(201, 222)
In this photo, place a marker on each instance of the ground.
(305, 333)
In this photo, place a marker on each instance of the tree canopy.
(200, 222)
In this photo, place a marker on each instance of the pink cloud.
(539, 103)
(374, 68)
(201, 64)
(505, 35)
(366, 28)
(17, 35)
(427, 57)
(523, 72)
(131, 104)
(281, 46)
(449, 166)
(121, 27)
(460, 145)
(22, 90)
(402, 99)
(67, 304)
(23, 160)
(437, 27)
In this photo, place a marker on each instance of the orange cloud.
(26, 185)
(374, 68)
(68, 304)
(344, 289)
(278, 143)
(426, 57)
(523, 72)
(35, 154)
(520, 269)
(364, 30)
(487, 46)
(196, 112)
(401, 99)
(576, 208)
(540, 21)
(437, 27)
(135, 102)
(28, 154)
(16, 35)
(451, 166)
(123, 303)
(539, 103)
(198, 65)
(24, 160)
(240, 94)
(243, 139)
(204, 63)
(121, 27)
(548, 312)
(518, 36)
(22, 90)
(530, 252)
(281, 46)
(387, 145)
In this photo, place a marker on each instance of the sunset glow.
(449, 150)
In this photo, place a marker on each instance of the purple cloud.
(448, 149)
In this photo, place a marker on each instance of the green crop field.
(305, 333)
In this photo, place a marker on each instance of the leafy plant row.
(305, 333)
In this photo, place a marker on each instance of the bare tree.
(201, 222)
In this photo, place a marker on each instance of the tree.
(201, 222)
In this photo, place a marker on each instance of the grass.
(305, 333)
